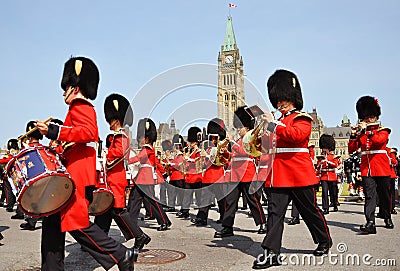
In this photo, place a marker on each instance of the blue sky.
(340, 50)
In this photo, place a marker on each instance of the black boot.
(267, 259)
(368, 228)
(126, 263)
(141, 240)
(322, 248)
(389, 223)
(262, 229)
(294, 221)
(225, 232)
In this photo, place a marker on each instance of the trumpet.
(217, 154)
(359, 128)
(252, 139)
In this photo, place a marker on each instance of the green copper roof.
(229, 41)
(345, 118)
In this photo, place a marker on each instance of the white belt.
(283, 150)
(191, 160)
(145, 165)
(91, 144)
(373, 152)
(263, 167)
(235, 159)
(331, 169)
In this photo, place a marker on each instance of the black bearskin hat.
(81, 72)
(178, 139)
(36, 134)
(242, 118)
(117, 107)
(166, 145)
(12, 144)
(216, 126)
(146, 128)
(368, 106)
(283, 85)
(109, 139)
(194, 134)
(327, 142)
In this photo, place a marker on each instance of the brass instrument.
(252, 139)
(216, 153)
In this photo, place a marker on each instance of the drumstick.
(34, 129)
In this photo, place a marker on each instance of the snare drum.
(103, 198)
(40, 182)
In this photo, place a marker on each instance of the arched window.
(226, 97)
(224, 80)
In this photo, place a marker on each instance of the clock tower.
(230, 78)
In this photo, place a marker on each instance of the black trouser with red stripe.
(208, 193)
(253, 200)
(305, 200)
(105, 250)
(127, 225)
(331, 188)
(374, 187)
(138, 194)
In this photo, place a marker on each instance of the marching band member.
(375, 163)
(166, 159)
(292, 176)
(118, 113)
(150, 171)
(213, 175)
(393, 175)
(242, 173)
(327, 167)
(79, 82)
(12, 149)
(176, 178)
(193, 174)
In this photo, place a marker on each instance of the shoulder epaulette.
(382, 128)
(302, 114)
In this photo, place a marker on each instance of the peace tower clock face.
(229, 59)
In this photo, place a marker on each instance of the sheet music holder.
(254, 111)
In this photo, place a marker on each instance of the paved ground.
(20, 250)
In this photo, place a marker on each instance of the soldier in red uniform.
(372, 138)
(176, 178)
(166, 158)
(393, 175)
(292, 176)
(327, 167)
(213, 176)
(243, 172)
(79, 82)
(118, 113)
(13, 149)
(193, 176)
(149, 174)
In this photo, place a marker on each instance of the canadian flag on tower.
(232, 5)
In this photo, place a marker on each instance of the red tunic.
(374, 158)
(175, 167)
(242, 165)
(328, 168)
(393, 163)
(149, 164)
(193, 164)
(292, 169)
(80, 127)
(213, 173)
(116, 176)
